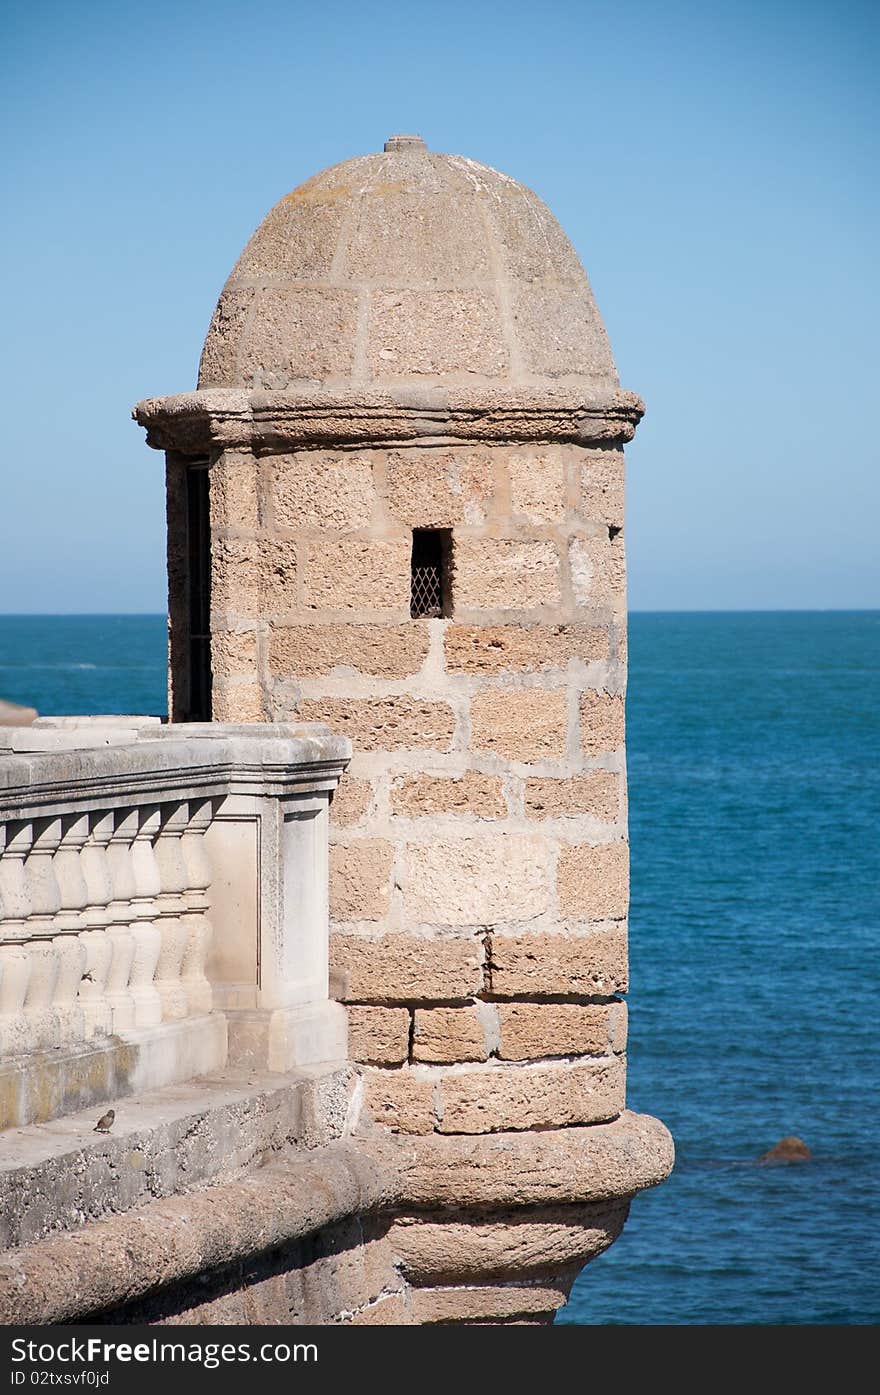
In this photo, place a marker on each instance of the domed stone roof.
(404, 269)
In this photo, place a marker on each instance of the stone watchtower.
(395, 504)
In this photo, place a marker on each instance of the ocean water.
(84, 664)
(753, 748)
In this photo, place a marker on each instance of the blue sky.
(714, 165)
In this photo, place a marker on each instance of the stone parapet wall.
(150, 879)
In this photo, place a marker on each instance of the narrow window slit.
(430, 591)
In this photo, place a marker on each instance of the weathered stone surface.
(602, 486)
(560, 332)
(576, 966)
(398, 968)
(597, 793)
(593, 882)
(236, 577)
(386, 651)
(234, 653)
(476, 881)
(279, 575)
(529, 1097)
(528, 1031)
(307, 415)
(357, 574)
(234, 492)
(436, 333)
(598, 571)
(598, 1162)
(504, 574)
(494, 1303)
(219, 364)
(421, 231)
(400, 1100)
(378, 1036)
(360, 879)
(602, 718)
(286, 244)
(533, 1240)
(527, 725)
(237, 702)
(322, 489)
(537, 486)
(442, 1035)
(618, 1026)
(432, 488)
(113, 1261)
(299, 332)
(405, 238)
(385, 724)
(418, 796)
(350, 801)
(495, 649)
(163, 1142)
(390, 1311)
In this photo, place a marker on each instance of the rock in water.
(787, 1150)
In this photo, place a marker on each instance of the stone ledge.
(153, 1248)
(79, 771)
(195, 422)
(431, 1248)
(62, 1175)
(116, 1261)
(43, 1085)
(598, 1162)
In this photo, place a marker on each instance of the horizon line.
(639, 610)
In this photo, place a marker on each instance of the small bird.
(105, 1123)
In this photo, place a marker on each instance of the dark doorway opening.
(198, 552)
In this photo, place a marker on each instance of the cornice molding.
(232, 418)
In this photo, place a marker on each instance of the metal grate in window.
(430, 573)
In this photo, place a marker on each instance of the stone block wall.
(479, 859)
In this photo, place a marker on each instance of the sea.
(754, 789)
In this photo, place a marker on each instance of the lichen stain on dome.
(402, 269)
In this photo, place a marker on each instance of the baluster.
(41, 1021)
(40, 879)
(171, 906)
(15, 962)
(70, 956)
(16, 973)
(98, 1017)
(44, 1025)
(198, 926)
(146, 934)
(69, 920)
(68, 873)
(119, 915)
(15, 905)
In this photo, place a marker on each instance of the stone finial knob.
(404, 143)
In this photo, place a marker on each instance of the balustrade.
(106, 907)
